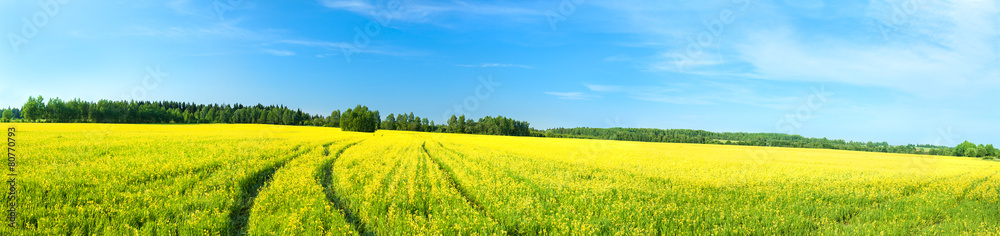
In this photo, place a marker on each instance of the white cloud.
(330, 45)
(350, 5)
(180, 6)
(426, 11)
(934, 49)
(698, 93)
(948, 51)
(336, 48)
(225, 29)
(282, 53)
(571, 95)
(604, 88)
(497, 65)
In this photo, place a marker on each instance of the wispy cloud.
(618, 58)
(935, 49)
(359, 6)
(323, 44)
(604, 88)
(427, 11)
(180, 7)
(497, 65)
(331, 48)
(282, 53)
(698, 93)
(947, 50)
(572, 95)
(221, 30)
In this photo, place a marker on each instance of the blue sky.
(903, 71)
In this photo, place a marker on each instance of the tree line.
(969, 149)
(363, 119)
(37, 109)
(10, 114)
(966, 149)
(458, 124)
(359, 118)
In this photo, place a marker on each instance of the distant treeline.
(362, 119)
(106, 111)
(765, 139)
(487, 125)
(9, 114)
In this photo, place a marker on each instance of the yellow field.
(87, 179)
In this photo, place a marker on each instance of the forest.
(363, 119)
(967, 148)
(359, 118)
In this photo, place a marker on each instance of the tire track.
(331, 196)
(532, 185)
(452, 180)
(239, 215)
(518, 228)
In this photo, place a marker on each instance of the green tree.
(334, 119)
(224, 116)
(390, 122)
(209, 116)
(991, 151)
(262, 119)
(56, 110)
(71, 111)
(34, 109)
(425, 124)
(8, 115)
(401, 122)
(359, 119)
(963, 149)
(452, 124)
(971, 152)
(288, 118)
(981, 151)
(274, 116)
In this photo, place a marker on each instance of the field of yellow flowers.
(225, 179)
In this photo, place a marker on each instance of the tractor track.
(239, 215)
(325, 180)
(453, 181)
